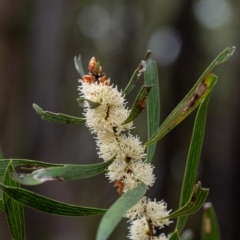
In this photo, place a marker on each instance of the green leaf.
(65, 172)
(184, 108)
(57, 117)
(81, 101)
(135, 77)
(195, 202)
(13, 210)
(210, 228)
(153, 104)
(139, 104)
(24, 162)
(174, 236)
(195, 96)
(79, 65)
(193, 159)
(48, 205)
(114, 214)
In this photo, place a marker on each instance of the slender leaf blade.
(25, 162)
(48, 205)
(210, 227)
(135, 77)
(193, 159)
(13, 209)
(174, 236)
(194, 203)
(195, 97)
(65, 172)
(139, 104)
(115, 213)
(153, 104)
(1, 205)
(57, 117)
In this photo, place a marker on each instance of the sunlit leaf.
(57, 117)
(115, 213)
(82, 101)
(210, 228)
(79, 65)
(153, 104)
(193, 159)
(135, 77)
(195, 202)
(174, 236)
(29, 164)
(139, 104)
(48, 205)
(65, 172)
(13, 209)
(195, 96)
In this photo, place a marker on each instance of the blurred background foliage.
(38, 41)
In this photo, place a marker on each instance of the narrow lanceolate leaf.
(82, 101)
(153, 104)
(135, 77)
(48, 205)
(174, 236)
(193, 159)
(28, 164)
(210, 228)
(79, 65)
(115, 213)
(195, 202)
(139, 104)
(184, 108)
(65, 172)
(196, 95)
(57, 117)
(13, 209)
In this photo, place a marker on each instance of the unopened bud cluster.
(114, 140)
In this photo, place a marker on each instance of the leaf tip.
(37, 109)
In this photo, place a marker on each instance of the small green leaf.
(115, 213)
(65, 172)
(13, 209)
(174, 236)
(139, 104)
(81, 101)
(135, 77)
(193, 159)
(210, 228)
(195, 96)
(24, 162)
(57, 117)
(48, 205)
(79, 65)
(153, 104)
(195, 202)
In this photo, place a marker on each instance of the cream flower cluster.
(115, 141)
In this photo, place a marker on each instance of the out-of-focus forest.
(38, 41)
